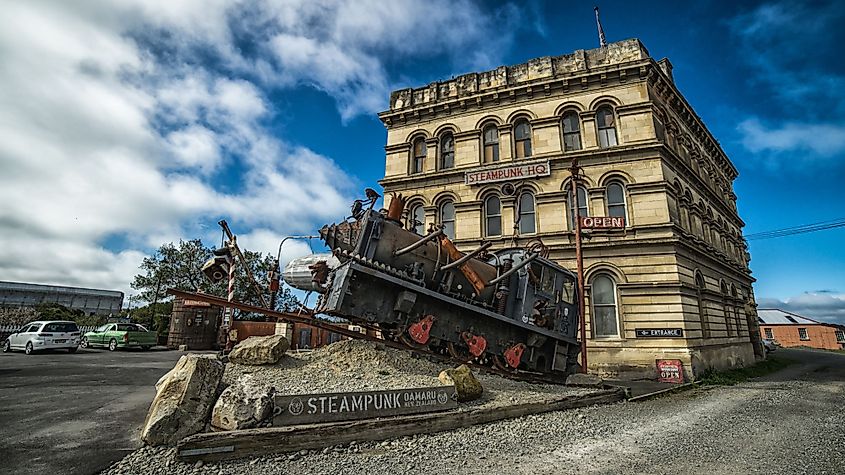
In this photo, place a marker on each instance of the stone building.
(487, 155)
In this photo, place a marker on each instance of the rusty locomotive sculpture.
(510, 308)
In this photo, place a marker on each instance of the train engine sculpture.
(510, 308)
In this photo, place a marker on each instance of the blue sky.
(125, 126)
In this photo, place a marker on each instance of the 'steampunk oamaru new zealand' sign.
(515, 172)
(332, 407)
(659, 332)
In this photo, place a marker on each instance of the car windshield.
(103, 328)
(60, 327)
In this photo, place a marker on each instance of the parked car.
(120, 335)
(44, 335)
(770, 344)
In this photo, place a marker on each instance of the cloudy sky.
(127, 124)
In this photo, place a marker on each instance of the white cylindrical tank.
(298, 275)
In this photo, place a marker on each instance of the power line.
(805, 228)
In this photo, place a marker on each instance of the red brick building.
(791, 330)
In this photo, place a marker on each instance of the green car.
(120, 335)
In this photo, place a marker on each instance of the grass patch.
(735, 376)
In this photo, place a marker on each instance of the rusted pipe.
(467, 257)
(422, 240)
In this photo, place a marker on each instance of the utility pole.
(575, 170)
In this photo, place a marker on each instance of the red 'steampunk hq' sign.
(517, 172)
(602, 222)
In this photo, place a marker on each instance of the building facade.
(90, 301)
(792, 330)
(487, 155)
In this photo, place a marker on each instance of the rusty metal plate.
(333, 407)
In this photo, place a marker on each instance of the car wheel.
(7, 347)
(73, 350)
(84, 342)
(112, 345)
(145, 348)
(28, 349)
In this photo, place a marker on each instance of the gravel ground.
(357, 365)
(788, 423)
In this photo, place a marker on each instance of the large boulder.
(243, 404)
(258, 350)
(467, 387)
(183, 401)
(585, 380)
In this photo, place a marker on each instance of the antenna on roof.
(602, 39)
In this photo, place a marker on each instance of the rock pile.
(357, 365)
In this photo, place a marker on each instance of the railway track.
(402, 344)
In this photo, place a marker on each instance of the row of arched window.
(605, 307)
(699, 220)
(693, 155)
(731, 303)
(522, 139)
(525, 212)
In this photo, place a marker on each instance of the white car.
(44, 335)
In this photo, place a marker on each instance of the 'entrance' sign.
(515, 172)
(602, 222)
(332, 407)
(659, 332)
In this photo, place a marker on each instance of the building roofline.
(790, 313)
(32, 286)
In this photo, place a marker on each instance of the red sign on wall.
(670, 371)
(602, 222)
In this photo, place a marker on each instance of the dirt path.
(790, 422)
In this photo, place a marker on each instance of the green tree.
(179, 267)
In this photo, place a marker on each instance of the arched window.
(416, 219)
(571, 132)
(605, 319)
(616, 200)
(606, 127)
(527, 217)
(447, 151)
(522, 138)
(726, 309)
(702, 311)
(418, 161)
(491, 144)
(492, 216)
(447, 218)
(583, 209)
(736, 304)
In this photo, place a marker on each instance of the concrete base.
(639, 363)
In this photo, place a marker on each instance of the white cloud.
(120, 120)
(824, 306)
(824, 140)
(807, 104)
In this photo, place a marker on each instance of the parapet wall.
(508, 76)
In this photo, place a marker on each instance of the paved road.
(76, 413)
